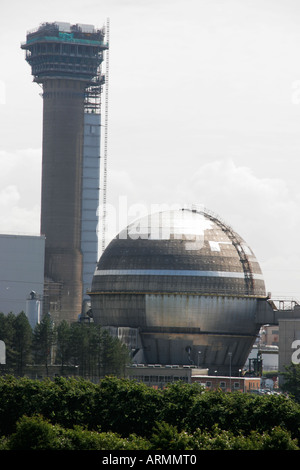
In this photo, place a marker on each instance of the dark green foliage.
(178, 398)
(22, 342)
(89, 349)
(64, 401)
(16, 332)
(126, 406)
(123, 414)
(292, 381)
(36, 433)
(166, 437)
(112, 355)
(243, 412)
(7, 335)
(93, 349)
(44, 337)
(63, 344)
(218, 439)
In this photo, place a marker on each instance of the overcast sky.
(204, 107)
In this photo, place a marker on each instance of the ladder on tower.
(248, 274)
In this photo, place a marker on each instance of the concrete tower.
(65, 59)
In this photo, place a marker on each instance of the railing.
(284, 303)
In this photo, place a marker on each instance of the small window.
(222, 384)
(153, 378)
(208, 384)
(236, 385)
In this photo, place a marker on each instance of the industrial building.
(158, 376)
(21, 271)
(66, 61)
(181, 287)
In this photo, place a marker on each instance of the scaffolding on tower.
(104, 168)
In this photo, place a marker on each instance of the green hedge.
(123, 408)
(35, 433)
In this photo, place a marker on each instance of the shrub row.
(128, 408)
(36, 433)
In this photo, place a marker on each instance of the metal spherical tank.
(182, 287)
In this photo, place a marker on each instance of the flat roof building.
(21, 270)
(159, 376)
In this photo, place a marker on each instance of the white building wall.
(90, 198)
(21, 270)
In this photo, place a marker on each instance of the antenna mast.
(105, 141)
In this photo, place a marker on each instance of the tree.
(63, 344)
(86, 346)
(114, 355)
(43, 340)
(126, 406)
(22, 340)
(80, 350)
(292, 381)
(7, 335)
(96, 352)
